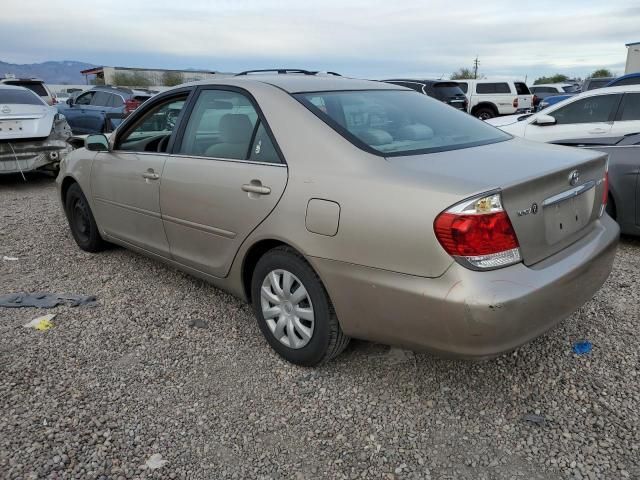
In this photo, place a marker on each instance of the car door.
(627, 119)
(224, 177)
(126, 180)
(77, 111)
(585, 117)
(95, 113)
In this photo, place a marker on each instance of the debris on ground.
(155, 461)
(533, 418)
(43, 323)
(396, 356)
(45, 300)
(9, 259)
(582, 348)
(198, 323)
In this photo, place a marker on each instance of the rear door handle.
(256, 187)
(598, 130)
(150, 175)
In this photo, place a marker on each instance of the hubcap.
(287, 308)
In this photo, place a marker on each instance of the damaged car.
(33, 135)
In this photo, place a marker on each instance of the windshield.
(570, 89)
(19, 97)
(398, 122)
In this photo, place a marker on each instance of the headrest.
(374, 136)
(417, 131)
(235, 128)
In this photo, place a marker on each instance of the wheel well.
(66, 183)
(490, 106)
(251, 260)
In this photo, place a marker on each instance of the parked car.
(624, 185)
(35, 85)
(610, 111)
(32, 134)
(62, 95)
(593, 83)
(347, 208)
(446, 91)
(549, 89)
(488, 99)
(552, 100)
(101, 109)
(629, 79)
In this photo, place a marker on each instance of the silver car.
(344, 208)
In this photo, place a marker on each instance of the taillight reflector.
(515, 103)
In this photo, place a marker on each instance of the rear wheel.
(485, 113)
(81, 222)
(293, 309)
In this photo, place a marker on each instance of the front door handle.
(256, 187)
(598, 130)
(150, 175)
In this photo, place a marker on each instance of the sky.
(368, 39)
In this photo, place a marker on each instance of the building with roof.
(131, 76)
(633, 58)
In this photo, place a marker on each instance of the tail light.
(515, 103)
(605, 189)
(130, 105)
(478, 234)
(535, 100)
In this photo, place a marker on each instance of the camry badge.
(532, 209)
(6, 109)
(574, 178)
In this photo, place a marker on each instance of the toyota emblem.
(574, 178)
(6, 109)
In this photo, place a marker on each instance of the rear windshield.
(571, 89)
(395, 122)
(18, 97)
(36, 87)
(447, 89)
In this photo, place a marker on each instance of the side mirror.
(69, 101)
(544, 120)
(97, 143)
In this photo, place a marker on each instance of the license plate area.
(7, 126)
(568, 212)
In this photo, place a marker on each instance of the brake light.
(605, 189)
(478, 234)
(535, 100)
(130, 105)
(515, 102)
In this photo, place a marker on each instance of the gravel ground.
(167, 365)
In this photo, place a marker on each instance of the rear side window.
(522, 88)
(587, 110)
(222, 125)
(36, 87)
(19, 97)
(630, 107)
(116, 101)
(396, 122)
(101, 99)
(501, 87)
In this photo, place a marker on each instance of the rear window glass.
(392, 122)
(447, 89)
(38, 88)
(464, 87)
(572, 89)
(141, 98)
(522, 88)
(493, 88)
(627, 81)
(18, 97)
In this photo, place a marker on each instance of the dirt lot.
(109, 386)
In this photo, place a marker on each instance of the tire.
(81, 222)
(485, 113)
(324, 338)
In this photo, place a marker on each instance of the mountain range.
(62, 72)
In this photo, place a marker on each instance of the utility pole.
(475, 68)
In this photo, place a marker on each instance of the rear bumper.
(466, 313)
(25, 156)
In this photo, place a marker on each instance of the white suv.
(492, 98)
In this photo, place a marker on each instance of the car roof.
(4, 86)
(293, 83)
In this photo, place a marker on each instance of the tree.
(171, 79)
(462, 74)
(131, 80)
(601, 72)
(557, 78)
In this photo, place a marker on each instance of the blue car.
(553, 100)
(101, 108)
(629, 79)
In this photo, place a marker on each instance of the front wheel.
(293, 309)
(81, 222)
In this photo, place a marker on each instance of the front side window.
(587, 110)
(395, 122)
(85, 98)
(630, 107)
(151, 132)
(224, 124)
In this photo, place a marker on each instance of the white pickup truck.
(492, 98)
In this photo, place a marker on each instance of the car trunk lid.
(527, 174)
(25, 121)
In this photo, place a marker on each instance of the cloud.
(366, 38)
